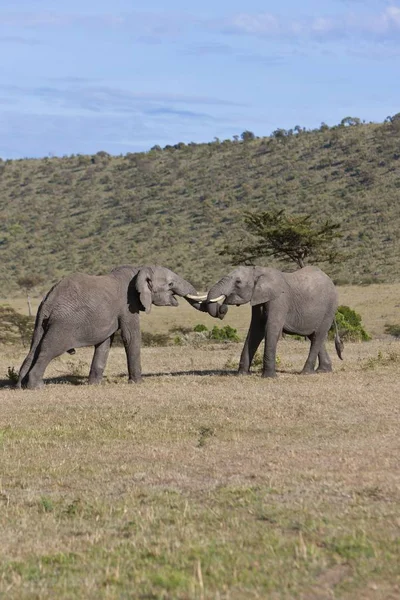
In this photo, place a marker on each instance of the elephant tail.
(42, 316)
(338, 342)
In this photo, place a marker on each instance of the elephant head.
(159, 286)
(246, 284)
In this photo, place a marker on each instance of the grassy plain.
(199, 484)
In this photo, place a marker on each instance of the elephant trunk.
(215, 310)
(220, 290)
(215, 296)
(183, 288)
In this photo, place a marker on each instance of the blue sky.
(122, 76)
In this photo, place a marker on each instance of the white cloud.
(255, 24)
(350, 24)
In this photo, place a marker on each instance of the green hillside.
(177, 206)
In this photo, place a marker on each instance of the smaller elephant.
(303, 302)
(87, 310)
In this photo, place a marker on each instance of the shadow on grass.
(78, 380)
(207, 372)
(70, 379)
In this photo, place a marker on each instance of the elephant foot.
(243, 372)
(324, 370)
(35, 385)
(95, 381)
(136, 380)
(269, 374)
(308, 372)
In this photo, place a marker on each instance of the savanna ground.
(201, 484)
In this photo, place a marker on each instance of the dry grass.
(200, 484)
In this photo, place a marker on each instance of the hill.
(177, 206)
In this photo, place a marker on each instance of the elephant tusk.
(219, 299)
(198, 298)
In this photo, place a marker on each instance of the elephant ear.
(143, 283)
(264, 291)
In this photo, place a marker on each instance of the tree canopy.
(286, 237)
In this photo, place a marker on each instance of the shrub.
(15, 327)
(199, 328)
(224, 334)
(12, 375)
(393, 329)
(349, 326)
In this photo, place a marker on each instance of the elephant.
(87, 310)
(303, 302)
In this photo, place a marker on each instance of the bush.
(199, 328)
(349, 326)
(12, 375)
(200, 334)
(15, 327)
(393, 330)
(182, 336)
(224, 334)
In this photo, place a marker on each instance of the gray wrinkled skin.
(303, 302)
(87, 310)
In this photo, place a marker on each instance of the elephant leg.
(130, 333)
(53, 344)
(317, 340)
(254, 337)
(324, 362)
(273, 331)
(26, 365)
(99, 360)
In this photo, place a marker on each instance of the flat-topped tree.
(288, 238)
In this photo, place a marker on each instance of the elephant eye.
(171, 284)
(238, 281)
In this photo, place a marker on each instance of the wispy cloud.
(45, 19)
(144, 26)
(32, 134)
(211, 48)
(385, 24)
(376, 52)
(224, 50)
(109, 100)
(265, 60)
(16, 39)
(184, 114)
(360, 19)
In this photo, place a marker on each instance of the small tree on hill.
(27, 283)
(288, 238)
(247, 136)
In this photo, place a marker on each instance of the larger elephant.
(303, 302)
(87, 310)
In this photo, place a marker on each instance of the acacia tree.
(28, 283)
(288, 238)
